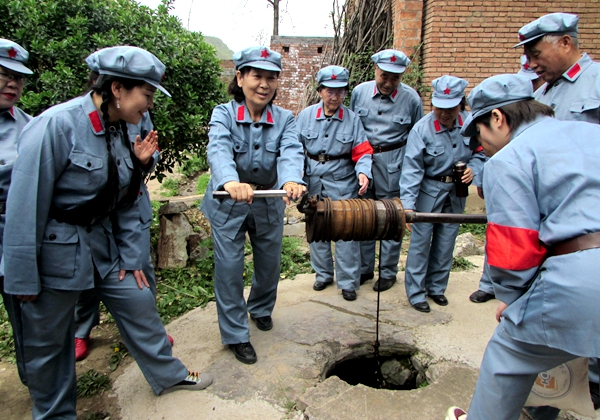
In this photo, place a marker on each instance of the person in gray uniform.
(572, 89)
(388, 110)
(73, 224)
(13, 75)
(338, 166)
(87, 311)
(253, 145)
(543, 242)
(427, 185)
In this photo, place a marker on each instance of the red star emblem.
(521, 37)
(393, 59)
(526, 66)
(12, 53)
(264, 54)
(447, 91)
(333, 77)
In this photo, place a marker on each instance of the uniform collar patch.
(573, 71)
(269, 117)
(96, 122)
(341, 113)
(241, 113)
(319, 113)
(437, 125)
(460, 120)
(12, 111)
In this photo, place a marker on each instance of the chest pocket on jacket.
(309, 135)
(402, 119)
(58, 253)
(434, 150)
(85, 171)
(239, 145)
(587, 110)
(362, 112)
(343, 138)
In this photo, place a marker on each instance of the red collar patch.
(394, 93)
(12, 110)
(12, 53)
(341, 114)
(95, 120)
(319, 112)
(269, 117)
(460, 120)
(438, 126)
(573, 71)
(240, 115)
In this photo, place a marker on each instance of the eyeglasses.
(7, 77)
(340, 93)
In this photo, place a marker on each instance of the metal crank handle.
(257, 194)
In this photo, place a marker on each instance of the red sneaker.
(456, 413)
(81, 348)
(170, 340)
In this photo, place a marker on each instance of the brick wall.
(302, 57)
(408, 18)
(473, 39)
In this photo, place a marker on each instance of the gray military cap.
(392, 61)
(554, 23)
(13, 56)
(448, 91)
(495, 92)
(257, 57)
(129, 62)
(333, 77)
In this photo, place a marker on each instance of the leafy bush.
(478, 230)
(461, 264)
(193, 165)
(60, 34)
(91, 383)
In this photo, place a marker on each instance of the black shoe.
(348, 294)
(321, 285)
(383, 284)
(366, 277)
(421, 306)
(263, 323)
(480, 296)
(439, 299)
(244, 352)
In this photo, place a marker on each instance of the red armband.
(361, 150)
(513, 248)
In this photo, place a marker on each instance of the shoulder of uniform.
(410, 91)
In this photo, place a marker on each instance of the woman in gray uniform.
(253, 145)
(72, 224)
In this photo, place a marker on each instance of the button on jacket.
(62, 154)
(576, 95)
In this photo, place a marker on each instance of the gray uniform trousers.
(430, 256)
(485, 283)
(12, 305)
(87, 314)
(232, 308)
(347, 266)
(48, 328)
(508, 371)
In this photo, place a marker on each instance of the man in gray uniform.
(388, 110)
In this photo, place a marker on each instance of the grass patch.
(170, 187)
(118, 354)
(91, 383)
(194, 165)
(293, 260)
(202, 183)
(7, 343)
(478, 230)
(461, 264)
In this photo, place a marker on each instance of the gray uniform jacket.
(63, 161)
(538, 194)
(341, 134)
(431, 151)
(265, 153)
(576, 95)
(387, 120)
(12, 122)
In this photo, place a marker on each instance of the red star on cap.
(12, 53)
(264, 54)
(526, 66)
(333, 77)
(521, 37)
(393, 59)
(447, 91)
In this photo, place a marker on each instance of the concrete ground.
(313, 331)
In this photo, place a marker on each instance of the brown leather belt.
(381, 149)
(580, 243)
(322, 157)
(442, 178)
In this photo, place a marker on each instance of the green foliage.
(293, 260)
(60, 34)
(478, 230)
(91, 383)
(7, 343)
(193, 165)
(118, 354)
(202, 183)
(170, 187)
(461, 264)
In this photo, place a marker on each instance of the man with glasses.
(13, 77)
(388, 110)
(337, 165)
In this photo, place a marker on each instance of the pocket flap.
(85, 160)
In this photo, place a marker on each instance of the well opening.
(395, 372)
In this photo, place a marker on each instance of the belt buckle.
(322, 158)
(448, 179)
(376, 149)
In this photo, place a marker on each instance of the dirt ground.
(15, 396)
